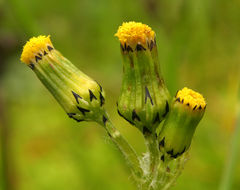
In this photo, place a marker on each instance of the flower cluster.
(145, 101)
(167, 123)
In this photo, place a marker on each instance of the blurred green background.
(41, 149)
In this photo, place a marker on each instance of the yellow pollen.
(189, 97)
(133, 33)
(35, 46)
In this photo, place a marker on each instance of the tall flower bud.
(186, 111)
(144, 97)
(79, 95)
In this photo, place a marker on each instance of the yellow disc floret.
(191, 98)
(34, 47)
(133, 33)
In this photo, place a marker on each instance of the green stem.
(227, 177)
(127, 151)
(6, 165)
(152, 145)
(170, 178)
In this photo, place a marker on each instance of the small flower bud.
(186, 111)
(79, 95)
(144, 97)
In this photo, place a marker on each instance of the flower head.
(135, 33)
(190, 98)
(79, 95)
(35, 48)
(185, 113)
(144, 98)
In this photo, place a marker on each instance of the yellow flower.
(133, 34)
(35, 48)
(186, 111)
(191, 98)
(79, 95)
(144, 98)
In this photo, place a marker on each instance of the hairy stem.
(171, 177)
(125, 148)
(154, 161)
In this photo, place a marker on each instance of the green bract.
(144, 98)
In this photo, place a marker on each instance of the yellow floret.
(34, 46)
(189, 97)
(133, 33)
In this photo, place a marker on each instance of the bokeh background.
(199, 47)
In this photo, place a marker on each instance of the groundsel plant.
(167, 123)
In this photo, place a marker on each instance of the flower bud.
(144, 97)
(185, 113)
(79, 95)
